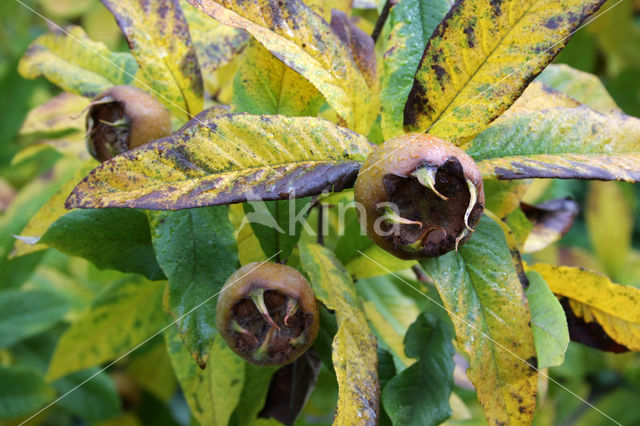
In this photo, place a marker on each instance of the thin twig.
(420, 275)
(382, 19)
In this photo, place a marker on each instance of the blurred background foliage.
(142, 388)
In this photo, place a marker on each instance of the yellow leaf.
(306, 43)
(481, 57)
(362, 267)
(566, 143)
(76, 63)
(539, 97)
(49, 213)
(594, 298)
(212, 393)
(216, 44)
(354, 352)
(265, 85)
(122, 316)
(62, 113)
(610, 224)
(151, 370)
(158, 36)
(248, 156)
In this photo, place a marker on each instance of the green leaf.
(122, 316)
(159, 39)
(197, 251)
(354, 346)
(212, 393)
(26, 313)
(111, 239)
(566, 143)
(28, 391)
(480, 59)
(95, 400)
(584, 87)
(76, 63)
(263, 84)
(216, 44)
(485, 300)
(276, 224)
(361, 266)
(412, 22)
(420, 394)
(307, 44)
(254, 394)
(550, 330)
(248, 157)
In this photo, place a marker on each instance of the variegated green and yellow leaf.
(61, 114)
(566, 143)
(609, 219)
(485, 300)
(480, 59)
(122, 316)
(595, 299)
(212, 393)
(158, 37)
(306, 43)
(69, 59)
(48, 214)
(216, 44)
(263, 84)
(354, 351)
(584, 87)
(227, 159)
(539, 97)
(411, 22)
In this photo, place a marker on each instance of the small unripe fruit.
(422, 196)
(122, 118)
(267, 313)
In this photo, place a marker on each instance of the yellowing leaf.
(76, 63)
(485, 300)
(609, 221)
(265, 85)
(306, 43)
(62, 113)
(567, 143)
(248, 157)
(212, 393)
(158, 36)
(361, 266)
(482, 56)
(216, 44)
(49, 213)
(582, 86)
(122, 316)
(539, 97)
(594, 298)
(354, 347)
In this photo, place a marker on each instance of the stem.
(320, 224)
(384, 14)
(420, 275)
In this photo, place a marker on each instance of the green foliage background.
(131, 392)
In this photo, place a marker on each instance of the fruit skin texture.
(389, 176)
(122, 118)
(257, 340)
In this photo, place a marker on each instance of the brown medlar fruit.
(122, 118)
(422, 196)
(267, 313)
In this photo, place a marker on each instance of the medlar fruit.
(122, 118)
(422, 196)
(267, 313)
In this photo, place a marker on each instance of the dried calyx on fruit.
(122, 118)
(267, 313)
(422, 196)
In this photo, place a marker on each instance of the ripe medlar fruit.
(122, 118)
(422, 196)
(267, 313)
